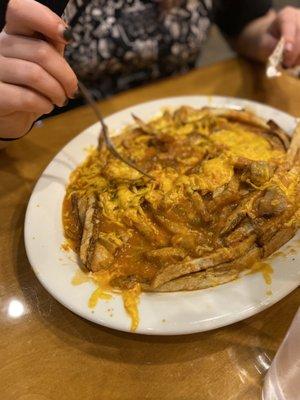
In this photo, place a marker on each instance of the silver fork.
(110, 146)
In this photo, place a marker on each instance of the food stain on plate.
(267, 271)
(65, 246)
(80, 277)
(105, 292)
(89, 149)
(98, 294)
(277, 254)
(130, 296)
(291, 251)
(131, 299)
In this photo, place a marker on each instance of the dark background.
(216, 48)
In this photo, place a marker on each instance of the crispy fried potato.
(225, 254)
(223, 273)
(225, 194)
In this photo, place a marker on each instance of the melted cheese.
(80, 277)
(243, 143)
(201, 156)
(130, 297)
(96, 296)
(214, 173)
(288, 183)
(131, 300)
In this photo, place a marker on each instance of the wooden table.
(48, 353)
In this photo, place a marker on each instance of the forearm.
(249, 42)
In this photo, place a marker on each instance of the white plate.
(164, 314)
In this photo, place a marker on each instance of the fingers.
(24, 17)
(292, 49)
(288, 26)
(60, 47)
(16, 98)
(31, 75)
(33, 72)
(42, 53)
(296, 55)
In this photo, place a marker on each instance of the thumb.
(285, 25)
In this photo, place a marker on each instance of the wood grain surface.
(48, 353)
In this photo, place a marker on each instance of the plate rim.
(189, 329)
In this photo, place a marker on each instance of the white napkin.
(274, 65)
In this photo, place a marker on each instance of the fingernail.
(76, 94)
(66, 33)
(289, 47)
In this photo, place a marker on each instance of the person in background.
(118, 44)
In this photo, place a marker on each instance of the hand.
(287, 24)
(259, 38)
(34, 76)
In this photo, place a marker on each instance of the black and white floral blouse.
(122, 43)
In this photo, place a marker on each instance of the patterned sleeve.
(232, 16)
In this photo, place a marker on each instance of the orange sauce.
(80, 277)
(266, 270)
(184, 170)
(131, 299)
(292, 251)
(102, 292)
(65, 246)
(98, 294)
(277, 254)
(72, 241)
